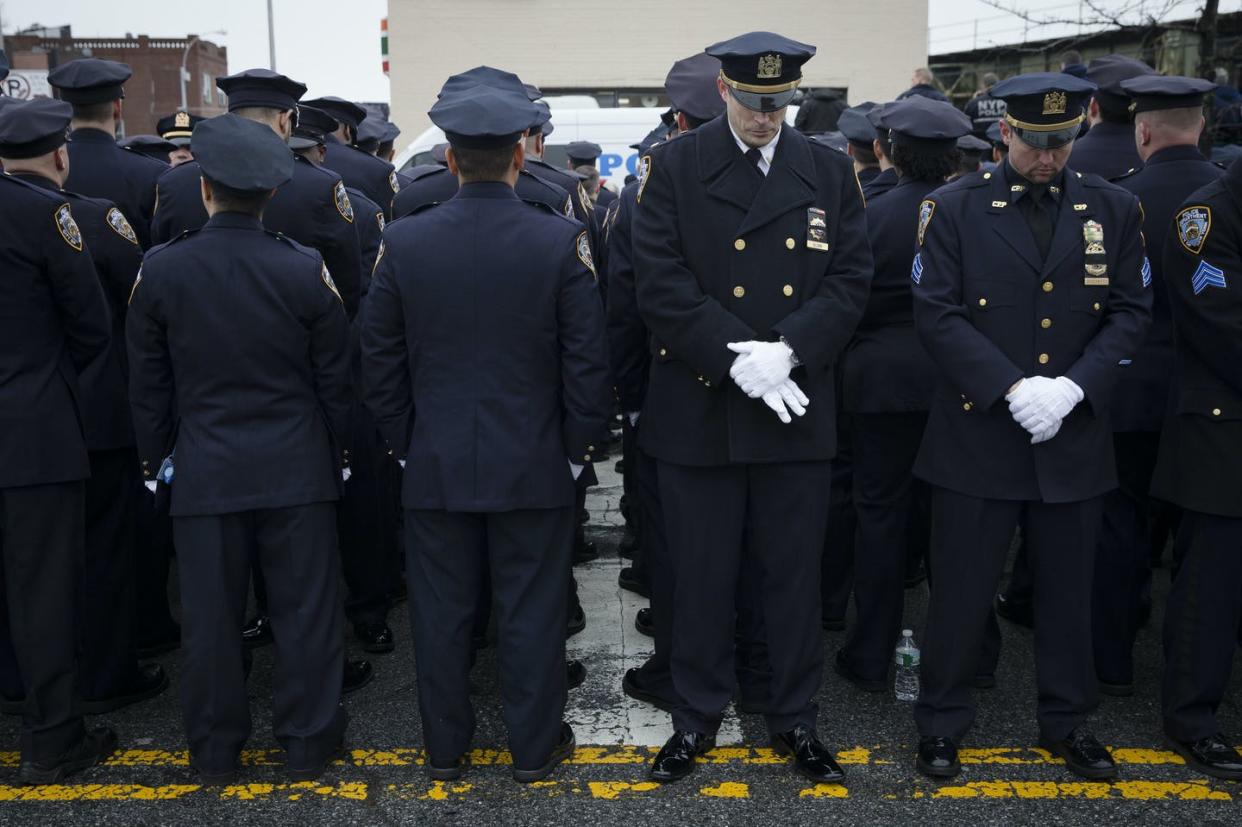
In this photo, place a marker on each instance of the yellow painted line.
(1132, 790)
(612, 790)
(826, 791)
(728, 789)
(434, 791)
(355, 790)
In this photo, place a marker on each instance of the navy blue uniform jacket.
(990, 312)
(1108, 150)
(629, 348)
(483, 353)
(363, 171)
(721, 255)
(98, 167)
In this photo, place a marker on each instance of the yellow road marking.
(1133, 790)
(612, 790)
(826, 791)
(728, 789)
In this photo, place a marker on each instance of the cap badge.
(1054, 103)
(181, 120)
(769, 67)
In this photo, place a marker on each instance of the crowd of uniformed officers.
(842, 362)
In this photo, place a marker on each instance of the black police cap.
(1152, 92)
(370, 133)
(762, 70)
(856, 126)
(655, 136)
(833, 140)
(314, 125)
(973, 145)
(153, 146)
(178, 127)
(439, 153)
(33, 128)
(482, 117)
(583, 153)
(242, 154)
(90, 80)
(994, 134)
(391, 133)
(486, 76)
(1107, 73)
(532, 91)
(347, 112)
(923, 123)
(691, 87)
(1044, 108)
(261, 87)
(545, 115)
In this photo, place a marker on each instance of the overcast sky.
(334, 46)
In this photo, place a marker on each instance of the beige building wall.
(869, 46)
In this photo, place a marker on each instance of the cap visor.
(758, 102)
(298, 142)
(1046, 140)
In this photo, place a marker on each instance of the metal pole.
(271, 37)
(185, 54)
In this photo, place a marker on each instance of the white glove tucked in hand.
(575, 469)
(786, 397)
(345, 472)
(150, 484)
(632, 416)
(1039, 404)
(760, 366)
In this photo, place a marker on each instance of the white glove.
(345, 472)
(150, 484)
(575, 469)
(401, 462)
(632, 416)
(1047, 434)
(760, 366)
(786, 397)
(1039, 404)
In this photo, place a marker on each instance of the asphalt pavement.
(1005, 778)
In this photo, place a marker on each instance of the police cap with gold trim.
(178, 127)
(1044, 109)
(90, 80)
(761, 70)
(1152, 92)
(33, 128)
(242, 154)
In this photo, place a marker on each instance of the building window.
(208, 85)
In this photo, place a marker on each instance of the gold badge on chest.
(1095, 259)
(816, 229)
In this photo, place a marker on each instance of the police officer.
(735, 348)
(586, 154)
(55, 325)
(100, 168)
(358, 168)
(1108, 149)
(1200, 469)
(1028, 292)
(110, 676)
(889, 382)
(177, 129)
(882, 148)
(860, 134)
(984, 109)
(242, 333)
(1168, 120)
(152, 146)
(312, 208)
(563, 178)
(464, 335)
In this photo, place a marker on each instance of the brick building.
(155, 89)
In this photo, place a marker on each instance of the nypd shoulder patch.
(327, 280)
(1205, 276)
(926, 210)
(394, 182)
(644, 175)
(568, 209)
(1193, 225)
(341, 198)
(916, 269)
(117, 221)
(584, 253)
(68, 228)
(134, 289)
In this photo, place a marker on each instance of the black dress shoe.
(561, 752)
(1084, 755)
(584, 516)
(629, 543)
(811, 758)
(149, 681)
(842, 668)
(644, 622)
(630, 579)
(632, 686)
(676, 758)
(315, 770)
(938, 757)
(1212, 756)
(449, 772)
(94, 748)
(358, 673)
(258, 632)
(575, 673)
(1021, 612)
(584, 552)
(833, 624)
(620, 466)
(577, 621)
(1116, 689)
(375, 637)
(222, 777)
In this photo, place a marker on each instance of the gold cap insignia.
(1054, 103)
(181, 120)
(769, 67)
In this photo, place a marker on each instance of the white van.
(614, 129)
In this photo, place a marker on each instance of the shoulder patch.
(342, 202)
(68, 227)
(327, 279)
(379, 219)
(926, 210)
(116, 220)
(569, 207)
(379, 256)
(394, 182)
(134, 289)
(584, 253)
(1193, 225)
(644, 174)
(584, 200)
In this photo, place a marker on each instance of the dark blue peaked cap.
(584, 151)
(856, 126)
(691, 87)
(1151, 92)
(920, 121)
(761, 69)
(481, 117)
(1044, 108)
(33, 128)
(487, 76)
(241, 154)
(90, 80)
(347, 112)
(261, 87)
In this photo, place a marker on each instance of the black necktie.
(754, 156)
(1040, 218)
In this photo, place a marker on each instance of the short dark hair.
(483, 164)
(693, 122)
(930, 167)
(231, 200)
(863, 154)
(93, 111)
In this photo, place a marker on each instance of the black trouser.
(655, 675)
(296, 549)
(717, 517)
(1201, 624)
(885, 495)
(527, 553)
(41, 549)
(1123, 558)
(837, 570)
(367, 526)
(109, 661)
(631, 486)
(153, 555)
(970, 541)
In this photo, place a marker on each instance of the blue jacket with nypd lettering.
(990, 312)
(1200, 460)
(725, 254)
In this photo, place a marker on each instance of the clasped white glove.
(632, 416)
(150, 484)
(401, 462)
(345, 472)
(786, 397)
(575, 469)
(1039, 404)
(760, 366)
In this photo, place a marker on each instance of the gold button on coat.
(1095, 306)
(739, 291)
(983, 302)
(1047, 287)
(1043, 358)
(1045, 323)
(967, 406)
(740, 244)
(1215, 411)
(787, 289)
(587, 458)
(790, 243)
(663, 352)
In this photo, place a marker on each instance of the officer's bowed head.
(1044, 109)
(692, 89)
(264, 95)
(242, 161)
(485, 128)
(761, 70)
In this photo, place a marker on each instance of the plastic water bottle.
(906, 687)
